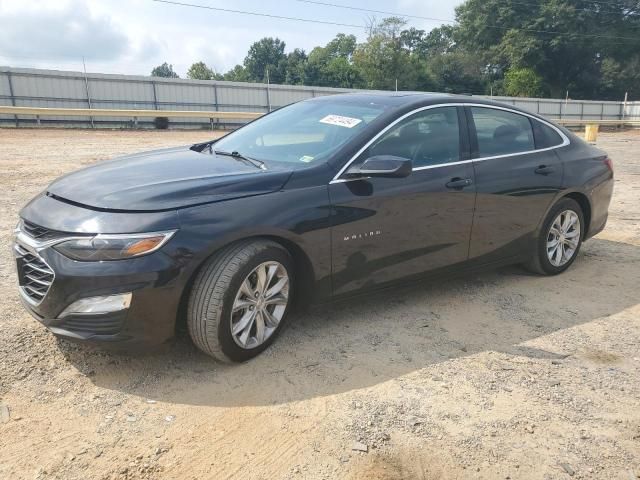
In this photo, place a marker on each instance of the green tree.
(509, 46)
(237, 74)
(564, 41)
(332, 65)
(439, 41)
(165, 70)
(620, 78)
(523, 82)
(296, 63)
(340, 73)
(265, 55)
(200, 71)
(412, 39)
(383, 58)
(457, 72)
(342, 46)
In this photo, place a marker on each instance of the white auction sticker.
(341, 121)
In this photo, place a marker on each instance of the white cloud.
(133, 36)
(58, 31)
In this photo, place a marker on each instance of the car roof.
(406, 101)
(387, 98)
(410, 99)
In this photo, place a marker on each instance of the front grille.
(44, 234)
(36, 231)
(34, 275)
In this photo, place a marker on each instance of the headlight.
(113, 247)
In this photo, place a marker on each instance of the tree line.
(544, 48)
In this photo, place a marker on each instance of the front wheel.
(559, 239)
(240, 299)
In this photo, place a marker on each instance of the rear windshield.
(303, 133)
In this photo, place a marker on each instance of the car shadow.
(380, 337)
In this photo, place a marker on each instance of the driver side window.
(430, 137)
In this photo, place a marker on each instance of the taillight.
(609, 163)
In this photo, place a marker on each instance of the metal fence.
(27, 87)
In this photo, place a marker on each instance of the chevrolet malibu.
(314, 201)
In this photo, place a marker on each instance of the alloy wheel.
(260, 305)
(563, 238)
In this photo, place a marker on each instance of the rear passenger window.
(501, 132)
(546, 137)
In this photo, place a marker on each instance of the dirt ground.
(497, 375)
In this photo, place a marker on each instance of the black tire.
(540, 262)
(213, 293)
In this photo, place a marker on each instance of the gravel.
(495, 375)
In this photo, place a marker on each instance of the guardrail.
(134, 114)
(590, 125)
(110, 112)
(566, 121)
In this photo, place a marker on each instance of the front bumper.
(153, 281)
(101, 328)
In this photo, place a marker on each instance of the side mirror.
(387, 166)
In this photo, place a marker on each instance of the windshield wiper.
(238, 156)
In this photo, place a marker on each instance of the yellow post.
(591, 132)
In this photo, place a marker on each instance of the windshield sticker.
(306, 158)
(341, 121)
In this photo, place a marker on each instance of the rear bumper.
(600, 200)
(596, 229)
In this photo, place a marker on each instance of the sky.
(133, 36)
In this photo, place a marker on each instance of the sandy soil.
(497, 375)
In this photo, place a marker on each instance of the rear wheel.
(559, 240)
(240, 299)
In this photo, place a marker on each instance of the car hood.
(164, 180)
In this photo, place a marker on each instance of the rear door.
(515, 181)
(387, 228)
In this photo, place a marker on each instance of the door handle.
(459, 183)
(545, 170)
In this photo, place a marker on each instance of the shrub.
(523, 82)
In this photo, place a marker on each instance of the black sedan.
(314, 201)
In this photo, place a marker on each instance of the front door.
(384, 229)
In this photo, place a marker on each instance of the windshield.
(303, 133)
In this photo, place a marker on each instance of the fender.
(298, 219)
(562, 194)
